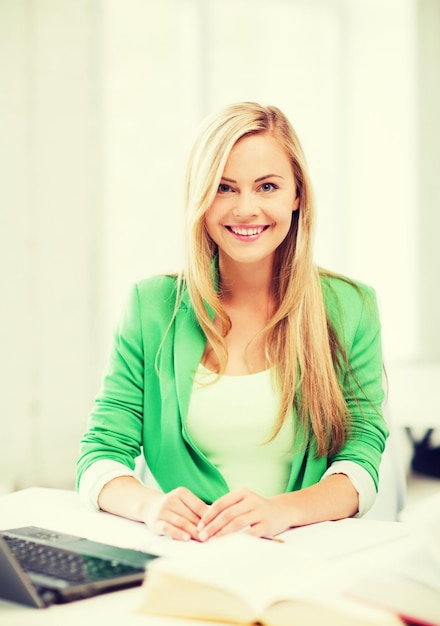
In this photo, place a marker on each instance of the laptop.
(40, 567)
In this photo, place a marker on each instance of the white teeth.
(247, 231)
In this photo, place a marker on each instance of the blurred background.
(99, 102)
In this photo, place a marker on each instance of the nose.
(245, 206)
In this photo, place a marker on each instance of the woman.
(252, 382)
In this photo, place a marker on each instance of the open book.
(245, 580)
(405, 578)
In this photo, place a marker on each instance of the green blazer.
(143, 402)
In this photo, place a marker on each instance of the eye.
(224, 188)
(268, 187)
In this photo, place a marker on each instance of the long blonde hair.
(300, 342)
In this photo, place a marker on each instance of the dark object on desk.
(40, 567)
(426, 457)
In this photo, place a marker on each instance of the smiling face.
(252, 211)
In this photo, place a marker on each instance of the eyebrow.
(257, 180)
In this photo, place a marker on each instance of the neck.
(246, 283)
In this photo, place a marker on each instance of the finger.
(175, 525)
(179, 515)
(225, 526)
(237, 517)
(225, 502)
(180, 503)
(173, 532)
(194, 504)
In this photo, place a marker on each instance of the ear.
(296, 204)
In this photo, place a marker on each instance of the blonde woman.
(251, 382)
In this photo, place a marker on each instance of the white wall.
(428, 165)
(48, 270)
(101, 101)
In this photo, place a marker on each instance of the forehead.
(261, 150)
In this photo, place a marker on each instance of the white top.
(230, 422)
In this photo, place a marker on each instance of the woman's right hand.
(175, 514)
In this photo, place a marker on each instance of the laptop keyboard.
(37, 558)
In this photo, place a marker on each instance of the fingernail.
(203, 535)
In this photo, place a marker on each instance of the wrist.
(147, 506)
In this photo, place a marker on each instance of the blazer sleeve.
(115, 424)
(363, 380)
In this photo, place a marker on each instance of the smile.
(247, 232)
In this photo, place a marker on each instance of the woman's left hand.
(244, 510)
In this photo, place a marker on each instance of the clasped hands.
(181, 515)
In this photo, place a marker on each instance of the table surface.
(62, 511)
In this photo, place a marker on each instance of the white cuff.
(361, 481)
(98, 475)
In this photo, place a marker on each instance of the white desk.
(62, 511)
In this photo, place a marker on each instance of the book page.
(258, 571)
(243, 579)
(405, 576)
(327, 540)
